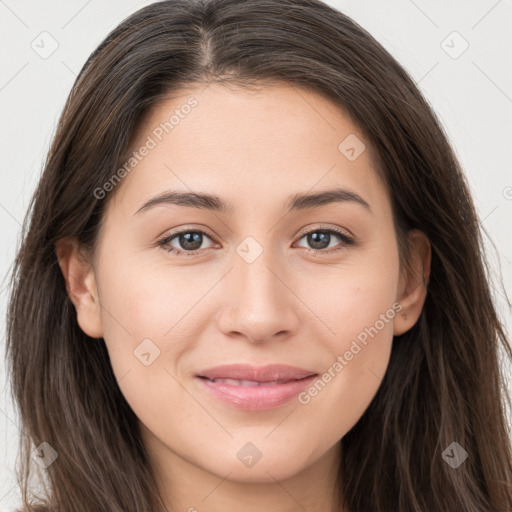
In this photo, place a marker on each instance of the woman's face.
(260, 279)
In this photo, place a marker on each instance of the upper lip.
(269, 373)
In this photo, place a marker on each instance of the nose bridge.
(257, 284)
(260, 305)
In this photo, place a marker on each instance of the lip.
(268, 394)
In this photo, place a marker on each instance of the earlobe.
(412, 290)
(80, 285)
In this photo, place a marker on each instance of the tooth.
(248, 383)
(235, 382)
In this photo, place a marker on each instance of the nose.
(261, 305)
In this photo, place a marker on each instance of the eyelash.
(345, 241)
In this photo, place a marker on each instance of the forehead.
(247, 145)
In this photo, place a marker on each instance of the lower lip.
(256, 398)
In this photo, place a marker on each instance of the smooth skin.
(291, 305)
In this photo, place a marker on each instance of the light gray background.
(472, 95)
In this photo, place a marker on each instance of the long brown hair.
(444, 382)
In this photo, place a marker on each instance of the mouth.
(276, 373)
(252, 388)
(246, 383)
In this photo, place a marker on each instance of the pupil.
(318, 238)
(191, 240)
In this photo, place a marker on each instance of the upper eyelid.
(301, 233)
(187, 230)
(326, 228)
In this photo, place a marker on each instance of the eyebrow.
(299, 201)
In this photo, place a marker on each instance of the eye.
(321, 238)
(190, 241)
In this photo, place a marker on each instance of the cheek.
(148, 318)
(146, 300)
(358, 306)
(353, 297)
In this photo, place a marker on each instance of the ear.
(412, 287)
(80, 285)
